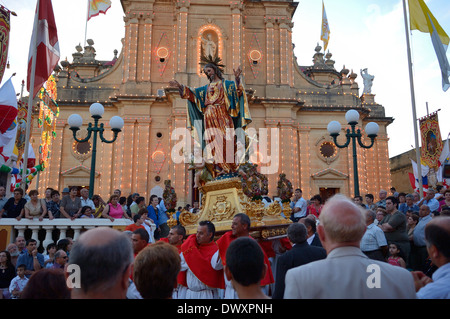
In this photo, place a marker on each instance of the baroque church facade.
(163, 40)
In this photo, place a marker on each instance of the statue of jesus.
(219, 105)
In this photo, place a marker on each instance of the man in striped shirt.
(373, 243)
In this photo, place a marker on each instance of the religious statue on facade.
(209, 46)
(215, 113)
(89, 51)
(367, 80)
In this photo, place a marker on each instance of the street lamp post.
(352, 117)
(75, 121)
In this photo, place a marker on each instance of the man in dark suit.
(300, 254)
(312, 237)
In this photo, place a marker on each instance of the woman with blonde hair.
(99, 206)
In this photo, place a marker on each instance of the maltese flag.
(44, 47)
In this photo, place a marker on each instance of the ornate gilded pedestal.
(224, 198)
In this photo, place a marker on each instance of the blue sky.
(364, 34)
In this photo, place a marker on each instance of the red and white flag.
(47, 47)
(8, 106)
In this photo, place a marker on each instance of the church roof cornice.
(138, 97)
(280, 102)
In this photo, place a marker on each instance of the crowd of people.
(343, 248)
(67, 204)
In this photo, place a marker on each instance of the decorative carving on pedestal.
(224, 198)
(222, 208)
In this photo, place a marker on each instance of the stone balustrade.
(10, 228)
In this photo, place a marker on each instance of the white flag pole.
(413, 102)
(30, 98)
(85, 28)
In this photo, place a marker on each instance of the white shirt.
(432, 203)
(17, 283)
(373, 238)
(303, 205)
(87, 202)
(310, 239)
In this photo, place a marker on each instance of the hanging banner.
(4, 37)
(48, 113)
(431, 140)
(22, 111)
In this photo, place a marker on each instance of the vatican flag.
(98, 6)
(421, 18)
(325, 35)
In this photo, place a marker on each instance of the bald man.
(346, 273)
(104, 257)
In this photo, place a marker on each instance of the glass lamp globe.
(96, 109)
(116, 122)
(75, 120)
(334, 127)
(352, 116)
(372, 129)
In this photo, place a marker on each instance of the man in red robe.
(240, 227)
(196, 253)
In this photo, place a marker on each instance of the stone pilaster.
(125, 164)
(182, 32)
(305, 160)
(270, 50)
(147, 29)
(236, 33)
(130, 47)
(286, 55)
(141, 154)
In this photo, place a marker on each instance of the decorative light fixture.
(255, 56)
(162, 53)
(75, 121)
(352, 117)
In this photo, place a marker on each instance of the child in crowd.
(49, 258)
(395, 256)
(86, 212)
(18, 283)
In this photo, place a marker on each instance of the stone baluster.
(21, 231)
(48, 236)
(34, 235)
(76, 232)
(63, 230)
